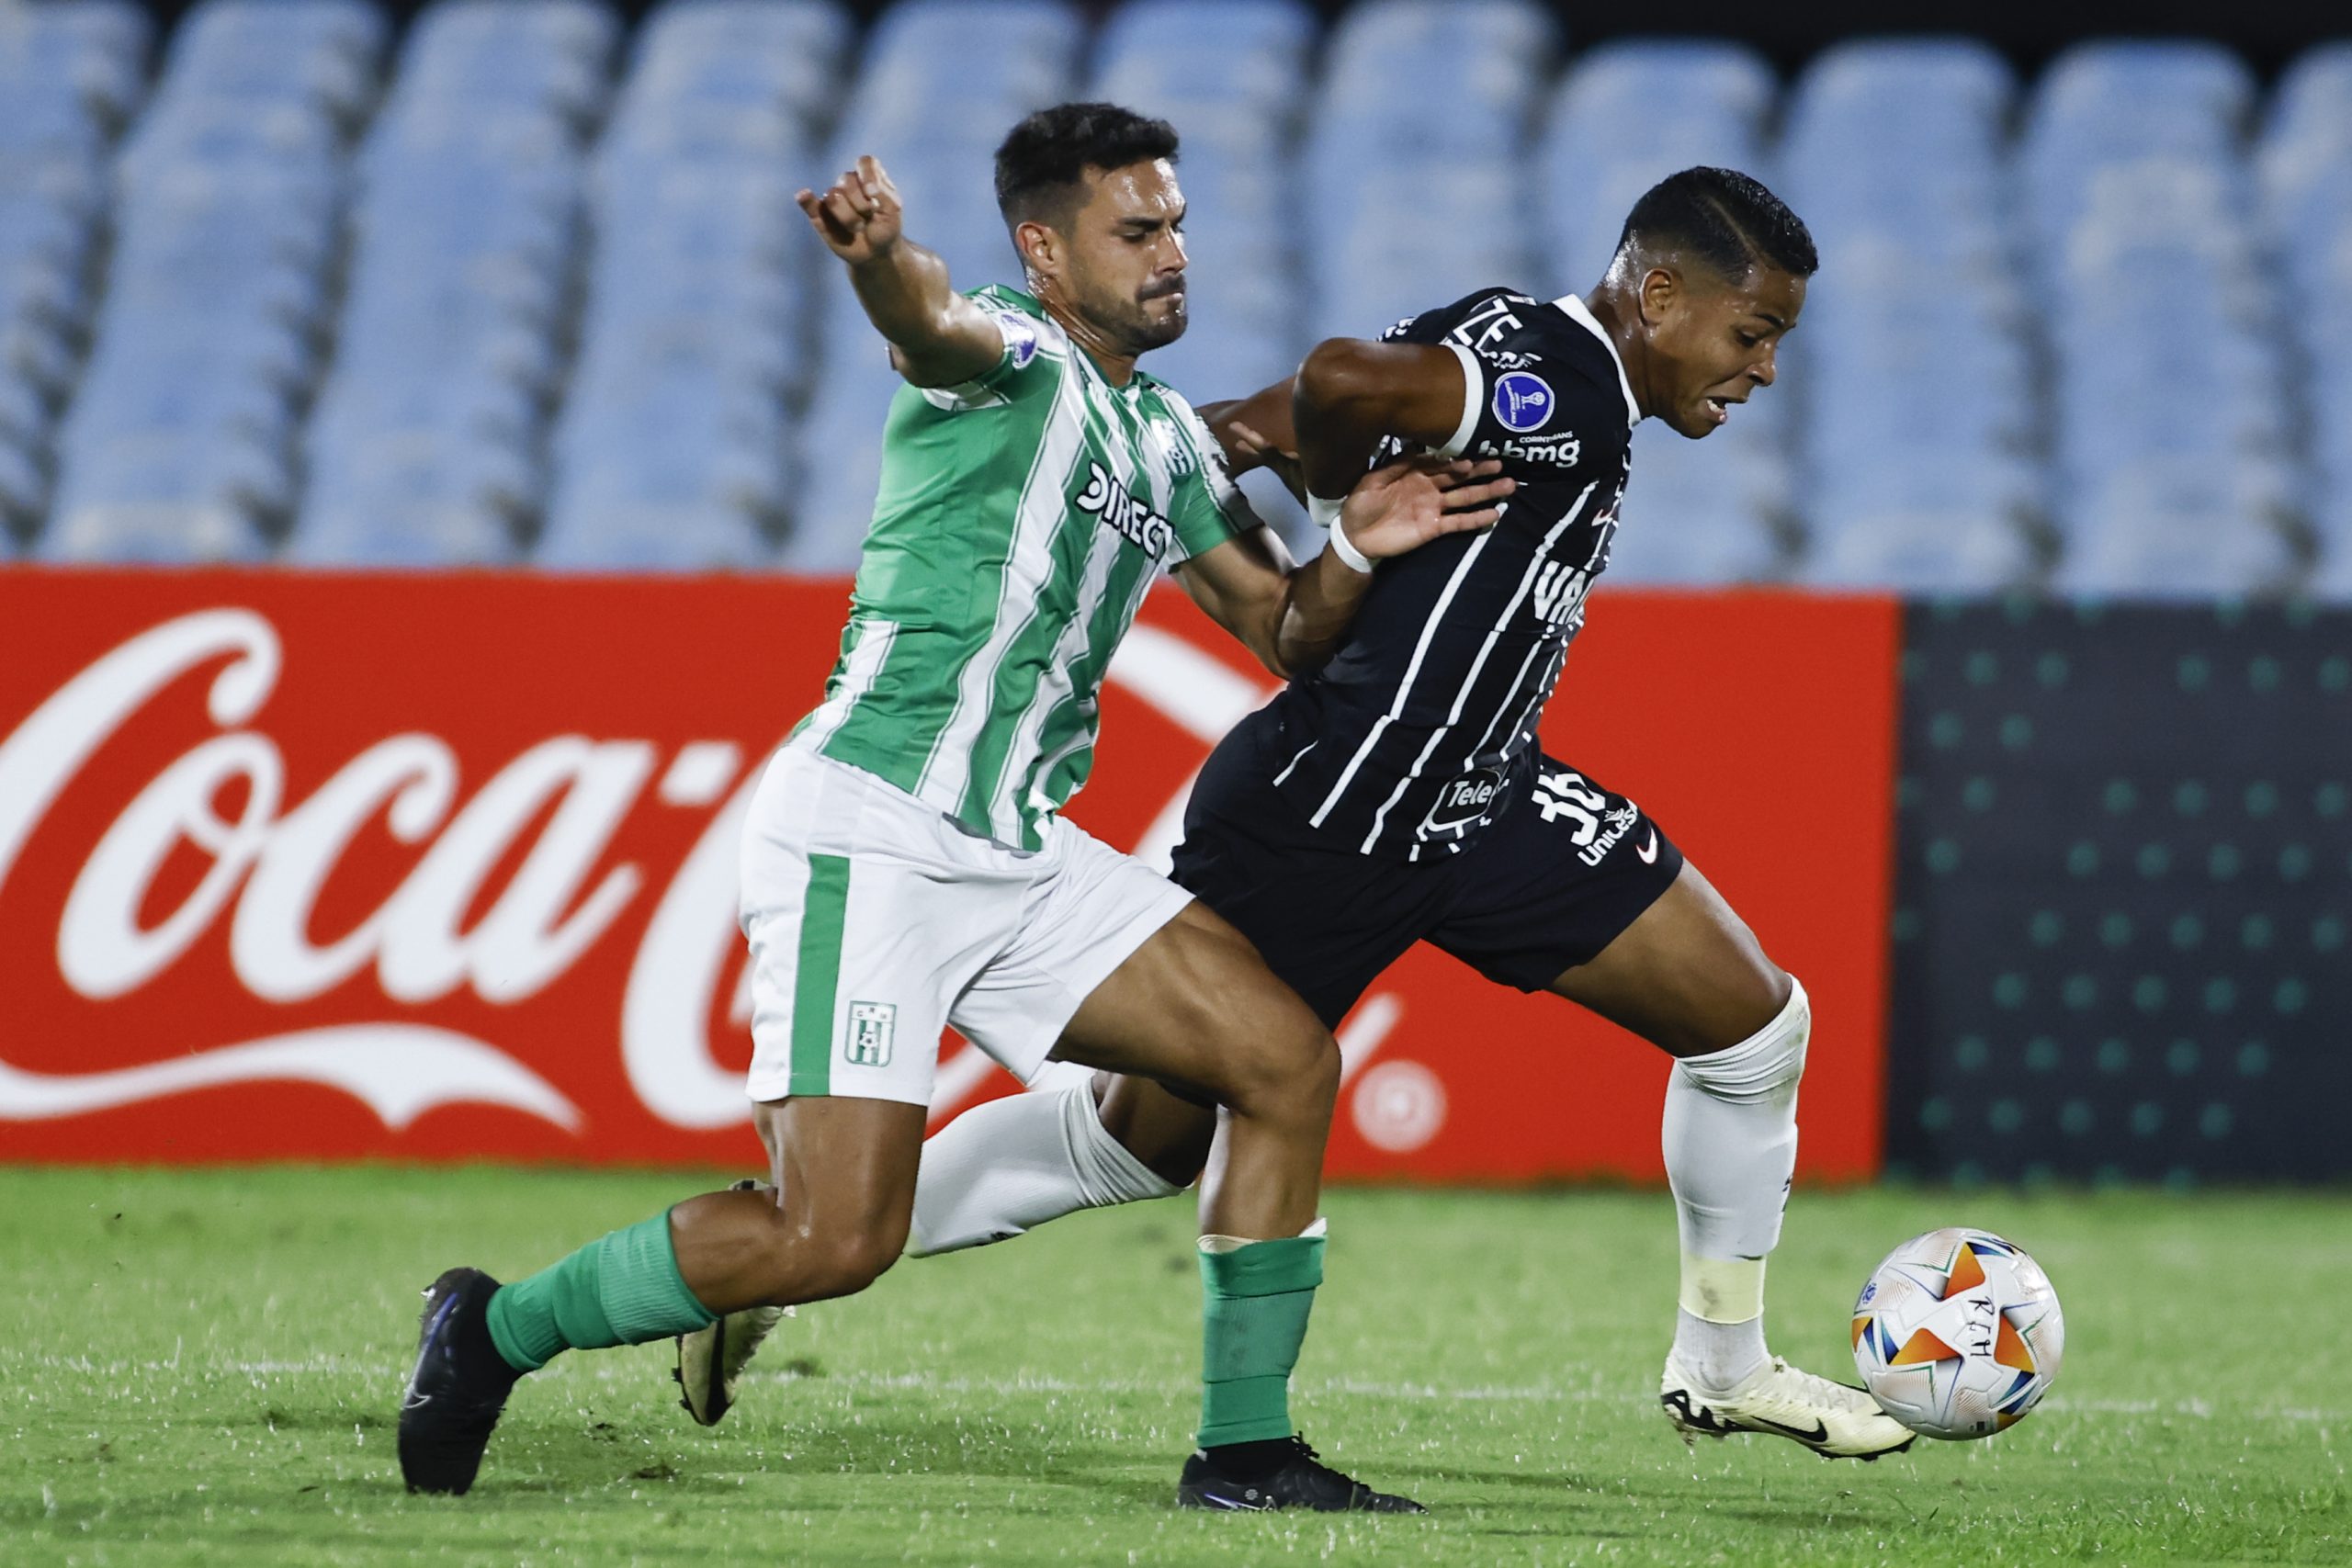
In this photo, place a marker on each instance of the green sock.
(624, 1290)
(1253, 1320)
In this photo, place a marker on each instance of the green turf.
(203, 1367)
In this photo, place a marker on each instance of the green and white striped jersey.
(1021, 517)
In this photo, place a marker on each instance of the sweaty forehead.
(1146, 190)
(1770, 293)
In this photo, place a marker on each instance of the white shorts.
(875, 922)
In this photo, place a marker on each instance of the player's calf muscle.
(1169, 1134)
(847, 1170)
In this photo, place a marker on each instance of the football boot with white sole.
(1833, 1419)
(711, 1359)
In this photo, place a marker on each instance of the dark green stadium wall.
(2123, 895)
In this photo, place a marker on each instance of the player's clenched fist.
(857, 215)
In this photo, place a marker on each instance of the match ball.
(1958, 1334)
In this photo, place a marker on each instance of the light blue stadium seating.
(2307, 139)
(2331, 579)
(1700, 513)
(427, 445)
(71, 75)
(2077, 333)
(179, 440)
(943, 81)
(1624, 117)
(2303, 166)
(1417, 162)
(2181, 528)
(1912, 361)
(674, 450)
(2168, 376)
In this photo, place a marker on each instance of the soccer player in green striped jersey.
(905, 863)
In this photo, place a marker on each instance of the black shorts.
(1543, 887)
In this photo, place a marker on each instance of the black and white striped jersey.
(1421, 728)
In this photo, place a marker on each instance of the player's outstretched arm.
(1293, 617)
(937, 337)
(1349, 393)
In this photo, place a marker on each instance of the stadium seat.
(427, 448)
(1697, 515)
(942, 82)
(70, 73)
(229, 192)
(2142, 212)
(2307, 139)
(1951, 542)
(1912, 361)
(1624, 117)
(578, 321)
(2115, 108)
(673, 451)
(1416, 165)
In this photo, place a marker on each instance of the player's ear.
(1661, 292)
(1040, 247)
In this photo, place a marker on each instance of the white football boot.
(710, 1359)
(1833, 1419)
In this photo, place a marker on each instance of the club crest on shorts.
(871, 1025)
(1522, 400)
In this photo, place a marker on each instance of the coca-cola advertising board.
(438, 867)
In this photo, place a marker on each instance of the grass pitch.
(203, 1367)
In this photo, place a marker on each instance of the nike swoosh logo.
(1649, 852)
(416, 1402)
(1820, 1433)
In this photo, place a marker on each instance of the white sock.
(1720, 1357)
(1011, 1164)
(1730, 1137)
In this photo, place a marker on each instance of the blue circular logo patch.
(1019, 336)
(1522, 401)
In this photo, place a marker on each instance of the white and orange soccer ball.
(1958, 1334)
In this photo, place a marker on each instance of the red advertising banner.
(442, 866)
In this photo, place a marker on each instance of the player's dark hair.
(1727, 219)
(1044, 160)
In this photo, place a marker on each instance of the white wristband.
(1326, 514)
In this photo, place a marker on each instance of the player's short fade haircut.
(1044, 160)
(1726, 217)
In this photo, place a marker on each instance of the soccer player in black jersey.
(1399, 794)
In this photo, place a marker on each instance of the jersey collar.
(1576, 310)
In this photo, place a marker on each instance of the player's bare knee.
(1746, 1000)
(843, 1264)
(1765, 1065)
(1293, 1074)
